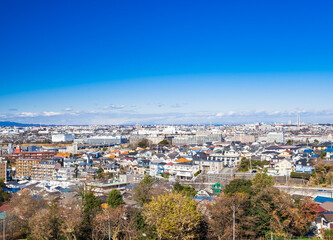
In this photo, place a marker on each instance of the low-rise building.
(65, 173)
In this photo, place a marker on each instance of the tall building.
(3, 170)
(298, 120)
(24, 167)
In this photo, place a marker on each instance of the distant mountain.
(10, 124)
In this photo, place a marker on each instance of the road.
(307, 191)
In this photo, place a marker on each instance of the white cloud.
(27, 114)
(113, 106)
(49, 114)
(133, 117)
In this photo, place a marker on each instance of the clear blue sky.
(95, 62)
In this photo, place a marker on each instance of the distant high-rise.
(298, 120)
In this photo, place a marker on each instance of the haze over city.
(108, 62)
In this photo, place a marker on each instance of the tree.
(76, 170)
(24, 207)
(238, 186)
(164, 142)
(54, 220)
(100, 170)
(39, 226)
(315, 142)
(91, 208)
(115, 198)
(186, 190)
(290, 142)
(142, 192)
(221, 215)
(112, 216)
(144, 143)
(4, 196)
(72, 219)
(174, 215)
(45, 224)
(263, 180)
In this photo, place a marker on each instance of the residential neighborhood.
(59, 169)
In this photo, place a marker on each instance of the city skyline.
(171, 63)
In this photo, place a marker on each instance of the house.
(217, 188)
(303, 166)
(229, 158)
(65, 173)
(202, 193)
(156, 168)
(284, 167)
(324, 222)
(185, 170)
(327, 206)
(113, 167)
(144, 163)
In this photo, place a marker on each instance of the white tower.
(298, 120)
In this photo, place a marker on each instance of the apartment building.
(24, 167)
(3, 170)
(31, 155)
(44, 169)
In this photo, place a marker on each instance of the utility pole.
(270, 221)
(4, 230)
(233, 222)
(250, 164)
(109, 227)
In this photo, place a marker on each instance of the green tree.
(54, 219)
(263, 180)
(315, 142)
(244, 165)
(143, 143)
(238, 186)
(174, 215)
(164, 142)
(142, 192)
(290, 142)
(115, 198)
(184, 189)
(4, 196)
(91, 207)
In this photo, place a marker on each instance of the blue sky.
(116, 62)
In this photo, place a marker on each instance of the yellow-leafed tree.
(174, 215)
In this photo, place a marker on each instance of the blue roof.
(13, 190)
(203, 198)
(308, 151)
(329, 150)
(323, 199)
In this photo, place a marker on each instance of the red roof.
(170, 163)
(4, 208)
(320, 209)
